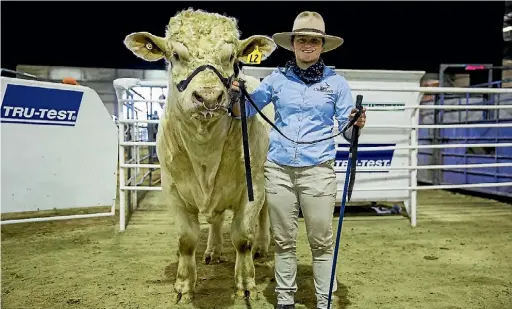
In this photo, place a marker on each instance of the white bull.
(200, 147)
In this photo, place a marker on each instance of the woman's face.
(307, 48)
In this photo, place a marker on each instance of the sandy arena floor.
(459, 256)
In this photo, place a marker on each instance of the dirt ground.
(459, 256)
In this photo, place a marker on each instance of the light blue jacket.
(303, 113)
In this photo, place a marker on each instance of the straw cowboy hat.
(308, 23)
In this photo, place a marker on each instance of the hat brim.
(283, 39)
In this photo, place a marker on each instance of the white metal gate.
(370, 89)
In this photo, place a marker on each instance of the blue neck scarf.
(311, 75)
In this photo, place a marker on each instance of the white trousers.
(313, 189)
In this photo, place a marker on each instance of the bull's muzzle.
(210, 98)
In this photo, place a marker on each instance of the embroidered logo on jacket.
(324, 88)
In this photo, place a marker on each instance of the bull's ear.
(265, 46)
(146, 46)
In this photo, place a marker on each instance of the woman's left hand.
(361, 121)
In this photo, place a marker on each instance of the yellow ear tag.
(254, 57)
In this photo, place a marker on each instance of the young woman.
(306, 95)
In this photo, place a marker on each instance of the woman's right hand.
(235, 86)
(235, 103)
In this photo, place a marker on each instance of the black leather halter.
(182, 85)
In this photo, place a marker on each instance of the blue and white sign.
(379, 158)
(40, 106)
(50, 133)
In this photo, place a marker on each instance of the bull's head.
(202, 50)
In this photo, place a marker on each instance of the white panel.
(49, 162)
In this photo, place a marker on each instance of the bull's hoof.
(212, 258)
(184, 289)
(251, 294)
(260, 253)
(183, 298)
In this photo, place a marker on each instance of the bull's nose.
(210, 98)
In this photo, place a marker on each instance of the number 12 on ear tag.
(254, 57)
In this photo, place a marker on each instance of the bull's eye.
(176, 56)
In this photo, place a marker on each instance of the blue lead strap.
(350, 177)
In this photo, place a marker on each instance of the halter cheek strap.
(182, 85)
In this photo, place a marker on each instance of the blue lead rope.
(347, 191)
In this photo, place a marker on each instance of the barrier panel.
(388, 152)
(59, 149)
(138, 133)
(479, 134)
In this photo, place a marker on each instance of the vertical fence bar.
(465, 137)
(496, 112)
(438, 116)
(122, 200)
(130, 171)
(150, 132)
(415, 119)
(135, 155)
(408, 203)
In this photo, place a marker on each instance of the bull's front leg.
(187, 243)
(243, 228)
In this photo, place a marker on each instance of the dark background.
(378, 35)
